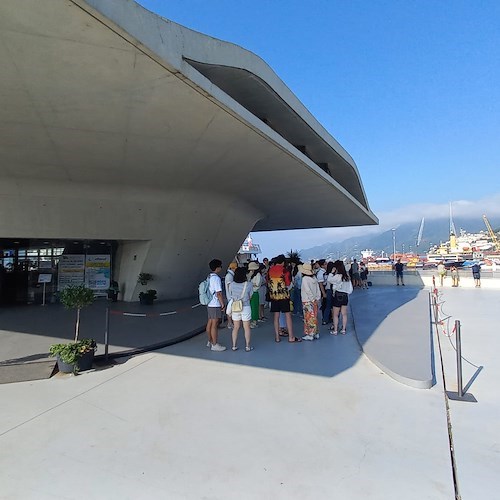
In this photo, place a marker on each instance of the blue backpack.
(204, 293)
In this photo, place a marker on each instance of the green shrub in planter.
(148, 296)
(75, 297)
(70, 353)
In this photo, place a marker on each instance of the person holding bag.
(240, 294)
(311, 297)
(342, 287)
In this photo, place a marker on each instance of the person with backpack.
(216, 305)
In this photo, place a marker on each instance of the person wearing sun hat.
(311, 296)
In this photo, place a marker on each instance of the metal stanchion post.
(436, 312)
(106, 336)
(459, 359)
(459, 395)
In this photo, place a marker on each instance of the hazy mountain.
(434, 232)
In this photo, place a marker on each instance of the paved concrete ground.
(393, 328)
(312, 420)
(26, 332)
(475, 428)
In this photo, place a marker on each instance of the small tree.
(76, 297)
(294, 256)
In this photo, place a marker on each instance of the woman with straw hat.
(311, 295)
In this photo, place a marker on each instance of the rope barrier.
(116, 312)
(446, 328)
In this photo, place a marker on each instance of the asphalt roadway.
(312, 420)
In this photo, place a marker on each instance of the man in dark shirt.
(476, 274)
(398, 267)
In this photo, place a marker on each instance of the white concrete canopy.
(118, 124)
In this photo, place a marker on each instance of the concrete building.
(125, 134)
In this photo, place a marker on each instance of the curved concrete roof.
(106, 92)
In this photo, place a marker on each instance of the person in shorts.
(216, 306)
(398, 267)
(279, 280)
(476, 274)
(441, 269)
(241, 289)
(342, 286)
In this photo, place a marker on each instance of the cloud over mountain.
(277, 242)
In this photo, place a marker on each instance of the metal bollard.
(460, 395)
(459, 359)
(106, 336)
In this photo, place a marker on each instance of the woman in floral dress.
(311, 295)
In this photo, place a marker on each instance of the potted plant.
(143, 278)
(147, 297)
(79, 354)
(74, 356)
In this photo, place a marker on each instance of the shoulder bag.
(237, 305)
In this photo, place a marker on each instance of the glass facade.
(25, 264)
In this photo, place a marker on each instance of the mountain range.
(434, 232)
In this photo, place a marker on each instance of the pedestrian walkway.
(312, 420)
(287, 421)
(28, 331)
(474, 426)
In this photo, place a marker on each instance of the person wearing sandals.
(342, 287)
(279, 280)
(311, 296)
(241, 289)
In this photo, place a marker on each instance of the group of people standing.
(455, 277)
(285, 286)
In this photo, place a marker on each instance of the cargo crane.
(420, 232)
(492, 234)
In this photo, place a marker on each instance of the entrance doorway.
(27, 266)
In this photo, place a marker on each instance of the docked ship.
(248, 251)
(463, 249)
(466, 247)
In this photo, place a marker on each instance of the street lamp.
(393, 245)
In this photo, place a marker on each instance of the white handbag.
(237, 305)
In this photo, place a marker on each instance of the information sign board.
(98, 272)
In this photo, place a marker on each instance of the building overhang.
(105, 92)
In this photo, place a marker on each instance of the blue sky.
(411, 89)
